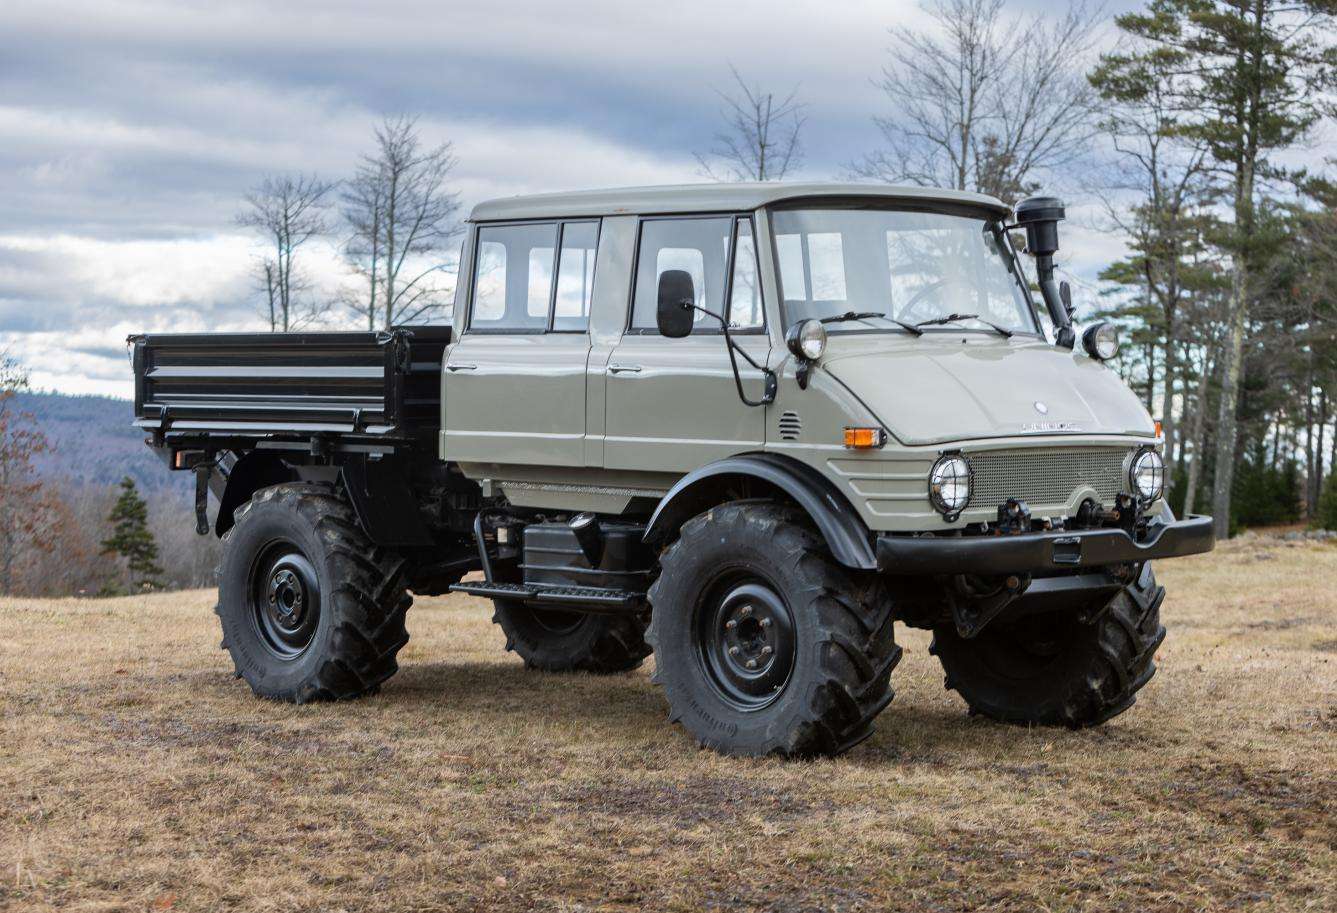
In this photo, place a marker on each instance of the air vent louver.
(790, 426)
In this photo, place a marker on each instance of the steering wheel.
(908, 311)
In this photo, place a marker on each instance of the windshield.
(911, 266)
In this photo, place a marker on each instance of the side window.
(575, 277)
(513, 277)
(699, 246)
(745, 312)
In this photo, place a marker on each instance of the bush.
(1326, 515)
(1264, 496)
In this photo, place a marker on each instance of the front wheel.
(763, 643)
(1059, 669)
(311, 609)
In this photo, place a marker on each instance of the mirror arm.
(768, 376)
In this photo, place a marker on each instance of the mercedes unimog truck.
(747, 429)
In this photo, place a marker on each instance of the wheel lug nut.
(765, 622)
(745, 611)
(731, 624)
(734, 651)
(751, 664)
(766, 650)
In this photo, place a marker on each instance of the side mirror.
(675, 314)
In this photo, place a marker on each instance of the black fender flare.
(840, 525)
(378, 489)
(254, 471)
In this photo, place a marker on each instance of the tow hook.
(1014, 517)
(973, 608)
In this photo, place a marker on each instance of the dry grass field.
(136, 774)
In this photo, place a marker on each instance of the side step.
(589, 598)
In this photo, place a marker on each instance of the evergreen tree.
(1254, 81)
(1326, 516)
(131, 539)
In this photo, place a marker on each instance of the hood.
(944, 387)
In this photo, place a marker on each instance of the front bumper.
(1030, 553)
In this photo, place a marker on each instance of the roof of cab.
(689, 198)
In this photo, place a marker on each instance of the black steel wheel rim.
(285, 600)
(745, 642)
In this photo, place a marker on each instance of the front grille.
(1046, 477)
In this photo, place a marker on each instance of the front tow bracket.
(973, 608)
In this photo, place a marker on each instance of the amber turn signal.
(864, 438)
(1160, 429)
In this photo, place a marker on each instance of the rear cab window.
(534, 277)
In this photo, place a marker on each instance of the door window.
(698, 246)
(522, 285)
(575, 277)
(745, 311)
(513, 277)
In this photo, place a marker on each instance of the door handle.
(461, 367)
(624, 369)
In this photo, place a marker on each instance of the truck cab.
(746, 427)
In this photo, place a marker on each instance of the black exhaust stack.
(1040, 217)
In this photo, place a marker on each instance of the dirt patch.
(137, 774)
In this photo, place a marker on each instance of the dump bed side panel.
(377, 384)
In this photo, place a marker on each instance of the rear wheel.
(1058, 669)
(763, 643)
(557, 641)
(311, 609)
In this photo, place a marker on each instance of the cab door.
(515, 380)
(672, 404)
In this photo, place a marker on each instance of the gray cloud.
(129, 130)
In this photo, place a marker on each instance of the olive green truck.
(746, 428)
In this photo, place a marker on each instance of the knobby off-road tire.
(557, 641)
(311, 609)
(827, 674)
(1056, 669)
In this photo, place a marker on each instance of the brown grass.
(136, 774)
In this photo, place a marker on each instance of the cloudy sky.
(130, 130)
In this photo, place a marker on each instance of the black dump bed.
(290, 385)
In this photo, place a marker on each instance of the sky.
(130, 132)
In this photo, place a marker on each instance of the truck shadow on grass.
(627, 712)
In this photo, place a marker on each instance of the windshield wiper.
(953, 318)
(864, 315)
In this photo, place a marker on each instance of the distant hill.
(93, 441)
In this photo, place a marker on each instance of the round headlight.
(807, 339)
(1147, 475)
(1101, 340)
(949, 485)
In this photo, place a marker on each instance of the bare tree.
(23, 511)
(288, 212)
(989, 106)
(400, 215)
(760, 139)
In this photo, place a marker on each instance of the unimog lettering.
(746, 428)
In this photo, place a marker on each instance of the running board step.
(575, 596)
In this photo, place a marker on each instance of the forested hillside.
(93, 441)
(68, 455)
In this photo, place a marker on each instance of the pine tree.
(1253, 78)
(131, 539)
